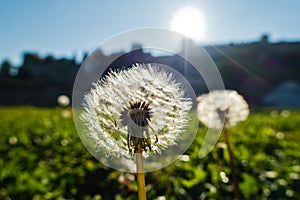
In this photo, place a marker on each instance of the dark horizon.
(263, 38)
(256, 70)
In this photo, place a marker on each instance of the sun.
(190, 22)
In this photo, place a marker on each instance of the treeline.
(253, 69)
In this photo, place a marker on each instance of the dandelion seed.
(211, 188)
(161, 198)
(282, 182)
(65, 114)
(214, 110)
(13, 140)
(295, 176)
(279, 135)
(184, 158)
(274, 113)
(64, 142)
(285, 113)
(135, 107)
(63, 100)
(224, 177)
(271, 174)
(289, 193)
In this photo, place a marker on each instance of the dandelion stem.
(140, 173)
(233, 173)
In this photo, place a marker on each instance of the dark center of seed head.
(139, 113)
(136, 117)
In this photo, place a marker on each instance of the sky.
(68, 28)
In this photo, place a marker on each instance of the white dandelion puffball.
(63, 100)
(140, 105)
(222, 107)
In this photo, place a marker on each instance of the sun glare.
(190, 22)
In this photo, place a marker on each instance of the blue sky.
(67, 28)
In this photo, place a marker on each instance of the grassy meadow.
(42, 157)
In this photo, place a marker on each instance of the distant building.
(285, 95)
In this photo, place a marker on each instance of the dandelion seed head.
(222, 107)
(285, 113)
(143, 101)
(63, 100)
(13, 140)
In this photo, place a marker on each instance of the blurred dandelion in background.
(63, 100)
(214, 111)
(13, 140)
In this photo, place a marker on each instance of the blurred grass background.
(42, 157)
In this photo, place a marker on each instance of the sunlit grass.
(42, 157)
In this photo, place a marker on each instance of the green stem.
(231, 158)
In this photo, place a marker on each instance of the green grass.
(42, 157)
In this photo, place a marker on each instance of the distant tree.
(5, 67)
